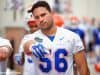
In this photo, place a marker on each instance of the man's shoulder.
(5, 42)
(3, 39)
(31, 36)
(66, 31)
(68, 34)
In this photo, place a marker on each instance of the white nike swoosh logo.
(61, 38)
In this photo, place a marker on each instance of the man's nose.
(41, 19)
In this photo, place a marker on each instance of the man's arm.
(26, 47)
(5, 52)
(81, 63)
(35, 48)
(5, 49)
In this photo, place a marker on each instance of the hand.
(36, 49)
(4, 54)
(39, 50)
(18, 58)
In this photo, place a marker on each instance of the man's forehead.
(40, 10)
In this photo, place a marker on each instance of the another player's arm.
(81, 63)
(26, 47)
(5, 52)
(19, 56)
(35, 48)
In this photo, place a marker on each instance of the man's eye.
(43, 14)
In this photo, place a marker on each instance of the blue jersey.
(96, 34)
(78, 31)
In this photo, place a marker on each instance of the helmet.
(97, 67)
(58, 20)
(29, 20)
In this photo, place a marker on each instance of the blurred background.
(71, 14)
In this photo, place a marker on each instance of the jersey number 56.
(58, 61)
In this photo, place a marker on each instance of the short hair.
(40, 4)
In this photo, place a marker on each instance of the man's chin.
(44, 28)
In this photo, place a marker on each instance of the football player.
(53, 49)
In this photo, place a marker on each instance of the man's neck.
(50, 32)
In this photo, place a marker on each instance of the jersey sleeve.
(24, 40)
(20, 49)
(4, 43)
(82, 34)
(77, 44)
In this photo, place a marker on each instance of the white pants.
(97, 50)
(28, 67)
(3, 67)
